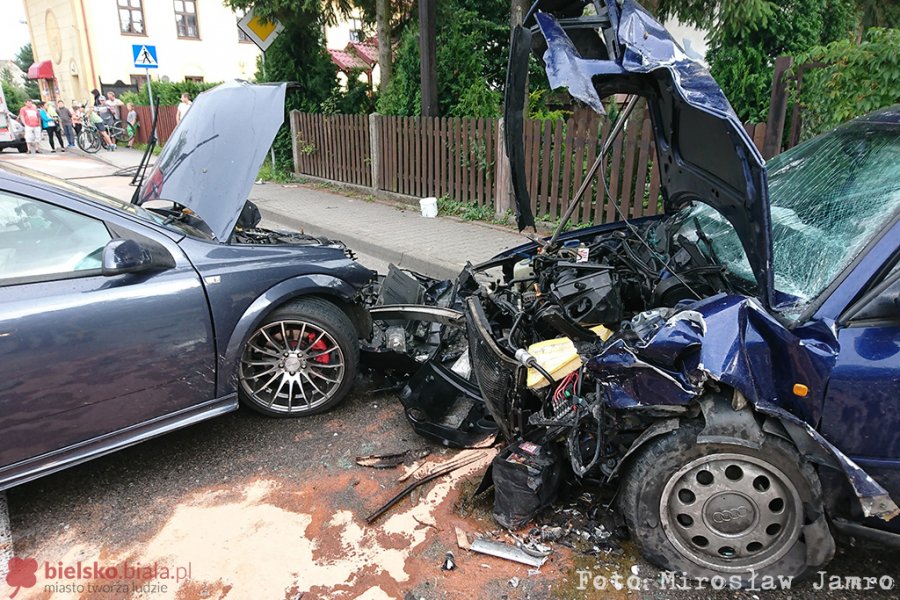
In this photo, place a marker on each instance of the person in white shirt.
(183, 107)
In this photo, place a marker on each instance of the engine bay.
(516, 358)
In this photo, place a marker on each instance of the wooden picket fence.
(334, 147)
(457, 158)
(164, 127)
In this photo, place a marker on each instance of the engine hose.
(578, 466)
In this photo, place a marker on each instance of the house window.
(131, 17)
(186, 18)
(193, 78)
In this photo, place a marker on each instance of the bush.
(858, 79)
(166, 93)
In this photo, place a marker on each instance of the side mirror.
(130, 256)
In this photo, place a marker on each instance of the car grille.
(495, 370)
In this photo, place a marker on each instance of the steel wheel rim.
(291, 366)
(731, 512)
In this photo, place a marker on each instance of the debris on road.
(390, 461)
(462, 540)
(432, 471)
(449, 562)
(508, 552)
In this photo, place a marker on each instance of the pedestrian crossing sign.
(144, 56)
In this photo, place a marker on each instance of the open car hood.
(214, 155)
(702, 147)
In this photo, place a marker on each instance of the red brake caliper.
(317, 348)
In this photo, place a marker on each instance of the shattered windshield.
(828, 198)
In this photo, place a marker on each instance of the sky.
(13, 30)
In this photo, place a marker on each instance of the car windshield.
(111, 202)
(828, 198)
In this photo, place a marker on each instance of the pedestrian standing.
(65, 121)
(97, 95)
(77, 117)
(115, 105)
(30, 117)
(131, 123)
(105, 111)
(183, 107)
(52, 127)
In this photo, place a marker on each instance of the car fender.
(316, 284)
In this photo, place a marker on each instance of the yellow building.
(86, 44)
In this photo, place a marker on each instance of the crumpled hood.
(704, 152)
(214, 155)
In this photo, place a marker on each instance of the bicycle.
(89, 139)
(120, 131)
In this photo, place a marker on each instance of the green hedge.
(166, 92)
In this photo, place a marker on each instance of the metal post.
(6, 542)
(266, 77)
(150, 95)
(427, 51)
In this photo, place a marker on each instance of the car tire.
(22, 148)
(726, 510)
(301, 360)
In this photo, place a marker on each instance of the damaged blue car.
(733, 366)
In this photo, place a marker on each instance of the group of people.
(58, 120)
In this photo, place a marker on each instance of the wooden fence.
(457, 158)
(164, 127)
(332, 147)
(451, 157)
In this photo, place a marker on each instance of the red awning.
(41, 70)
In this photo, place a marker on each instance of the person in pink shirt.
(30, 117)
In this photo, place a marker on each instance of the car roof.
(889, 116)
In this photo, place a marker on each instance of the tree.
(383, 31)
(745, 37)
(25, 58)
(472, 42)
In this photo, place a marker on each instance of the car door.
(83, 355)
(862, 404)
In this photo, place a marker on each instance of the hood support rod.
(616, 130)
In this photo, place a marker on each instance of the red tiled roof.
(347, 61)
(366, 50)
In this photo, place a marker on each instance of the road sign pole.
(266, 77)
(150, 94)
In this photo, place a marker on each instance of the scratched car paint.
(738, 358)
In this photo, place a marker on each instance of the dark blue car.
(120, 322)
(733, 366)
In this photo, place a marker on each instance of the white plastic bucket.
(428, 207)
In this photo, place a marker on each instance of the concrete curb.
(431, 266)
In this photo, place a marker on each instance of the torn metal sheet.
(507, 552)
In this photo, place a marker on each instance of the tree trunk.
(518, 12)
(383, 30)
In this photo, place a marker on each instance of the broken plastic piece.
(449, 562)
(507, 552)
(558, 356)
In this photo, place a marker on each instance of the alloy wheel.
(291, 366)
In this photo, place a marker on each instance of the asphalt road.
(121, 505)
